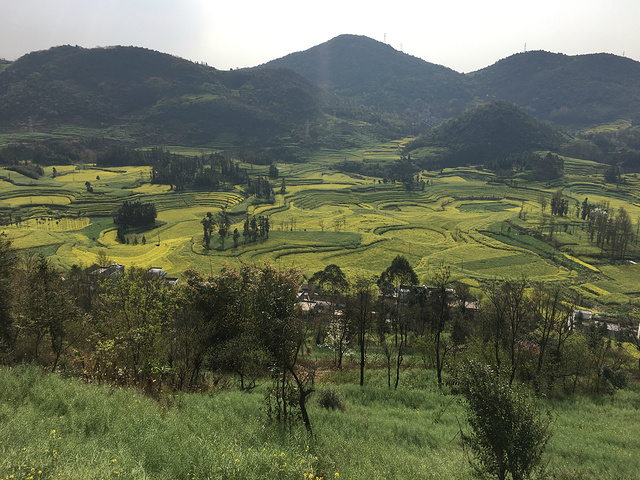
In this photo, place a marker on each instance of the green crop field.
(482, 229)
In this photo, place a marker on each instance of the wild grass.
(57, 427)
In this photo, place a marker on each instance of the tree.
(509, 431)
(440, 316)
(331, 279)
(223, 226)
(511, 318)
(236, 238)
(134, 314)
(282, 331)
(47, 309)
(335, 285)
(552, 312)
(399, 273)
(359, 306)
(8, 262)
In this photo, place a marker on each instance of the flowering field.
(481, 228)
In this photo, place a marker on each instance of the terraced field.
(482, 229)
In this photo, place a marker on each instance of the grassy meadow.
(463, 218)
(57, 427)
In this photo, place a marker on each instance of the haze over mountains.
(303, 97)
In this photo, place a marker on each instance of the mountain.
(157, 98)
(568, 90)
(577, 91)
(311, 98)
(490, 131)
(372, 73)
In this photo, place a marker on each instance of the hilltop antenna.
(400, 47)
(525, 47)
(385, 38)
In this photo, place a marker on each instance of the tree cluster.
(609, 230)
(261, 188)
(619, 148)
(559, 204)
(41, 153)
(134, 214)
(28, 170)
(180, 171)
(255, 229)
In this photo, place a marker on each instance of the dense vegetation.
(492, 133)
(162, 97)
(242, 327)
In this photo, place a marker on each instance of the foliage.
(330, 398)
(8, 261)
(487, 133)
(509, 431)
(28, 170)
(398, 273)
(135, 214)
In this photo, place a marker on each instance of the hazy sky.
(465, 35)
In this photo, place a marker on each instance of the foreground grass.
(55, 427)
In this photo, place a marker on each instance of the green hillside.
(489, 132)
(567, 90)
(574, 91)
(157, 98)
(372, 73)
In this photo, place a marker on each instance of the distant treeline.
(41, 153)
(616, 147)
(539, 167)
(206, 171)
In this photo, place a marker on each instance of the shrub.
(330, 398)
(617, 378)
(509, 432)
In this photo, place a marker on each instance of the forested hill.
(373, 73)
(568, 90)
(156, 97)
(147, 97)
(489, 132)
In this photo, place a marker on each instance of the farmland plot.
(482, 229)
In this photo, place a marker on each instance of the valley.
(464, 218)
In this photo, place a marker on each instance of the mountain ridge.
(577, 90)
(301, 97)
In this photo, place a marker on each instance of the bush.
(509, 432)
(330, 398)
(617, 378)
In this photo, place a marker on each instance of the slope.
(372, 73)
(157, 97)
